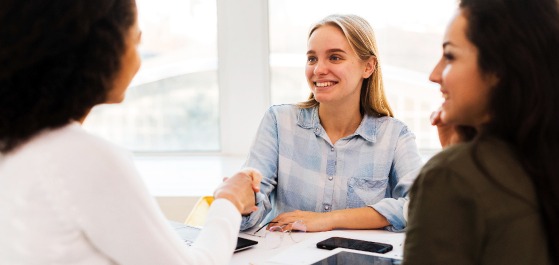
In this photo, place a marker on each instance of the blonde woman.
(339, 159)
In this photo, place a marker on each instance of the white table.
(306, 252)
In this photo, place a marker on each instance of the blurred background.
(211, 69)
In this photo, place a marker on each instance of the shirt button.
(332, 149)
(330, 178)
(326, 207)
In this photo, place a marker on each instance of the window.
(176, 105)
(172, 104)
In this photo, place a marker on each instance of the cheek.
(309, 71)
(446, 73)
(138, 61)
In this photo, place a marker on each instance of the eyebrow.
(328, 51)
(446, 43)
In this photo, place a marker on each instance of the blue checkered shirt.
(303, 170)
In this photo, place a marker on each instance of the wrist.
(230, 197)
(333, 220)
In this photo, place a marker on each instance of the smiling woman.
(407, 43)
(331, 161)
(492, 198)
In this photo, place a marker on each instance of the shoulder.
(449, 158)
(284, 109)
(467, 157)
(479, 164)
(388, 123)
(454, 160)
(375, 126)
(291, 113)
(73, 145)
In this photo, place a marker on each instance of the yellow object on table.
(197, 216)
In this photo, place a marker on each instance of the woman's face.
(334, 72)
(464, 88)
(129, 64)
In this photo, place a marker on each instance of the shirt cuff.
(392, 210)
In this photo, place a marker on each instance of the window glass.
(409, 35)
(172, 103)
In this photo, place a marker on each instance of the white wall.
(243, 71)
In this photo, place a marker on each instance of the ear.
(370, 67)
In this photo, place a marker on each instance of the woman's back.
(46, 199)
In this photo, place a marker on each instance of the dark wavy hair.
(58, 59)
(517, 41)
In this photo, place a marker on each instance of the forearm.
(357, 218)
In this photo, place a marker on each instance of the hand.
(240, 190)
(448, 134)
(315, 222)
(256, 177)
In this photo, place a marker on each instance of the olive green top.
(460, 215)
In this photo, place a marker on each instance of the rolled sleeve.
(405, 168)
(392, 210)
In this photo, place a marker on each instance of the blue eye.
(311, 59)
(335, 58)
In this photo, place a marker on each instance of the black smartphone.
(342, 242)
(244, 243)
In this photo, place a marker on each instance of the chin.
(114, 100)
(321, 98)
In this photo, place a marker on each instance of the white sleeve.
(121, 219)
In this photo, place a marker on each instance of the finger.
(435, 117)
(256, 177)
(278, 221)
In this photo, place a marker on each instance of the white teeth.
(324, 84)
(445, 96)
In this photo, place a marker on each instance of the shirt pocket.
(365, 191)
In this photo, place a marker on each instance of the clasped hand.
(448, 134)
(240, 189)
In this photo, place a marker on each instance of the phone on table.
(356, 244)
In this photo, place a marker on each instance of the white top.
(67, 197)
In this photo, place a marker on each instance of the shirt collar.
(368, 129)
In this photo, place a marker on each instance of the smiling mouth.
(324, 84)
(445, 96)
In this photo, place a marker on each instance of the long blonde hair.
(361, 38)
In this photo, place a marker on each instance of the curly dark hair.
(517, 41)
(58, 59)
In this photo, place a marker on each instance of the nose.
(320, 68)
(436, 74)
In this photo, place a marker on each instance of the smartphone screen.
(342, 242)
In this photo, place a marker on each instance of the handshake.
(240, 189)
